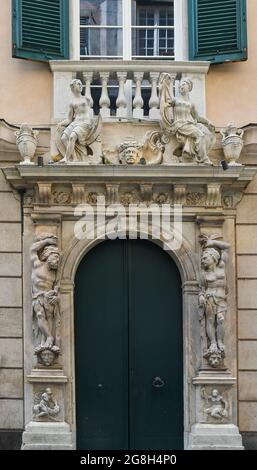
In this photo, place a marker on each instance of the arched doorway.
(128, 348)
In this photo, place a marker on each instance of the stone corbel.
(146, 192)
(112, 191)
(78, 193)
(213, 195)
(180, 194)
(44, 193)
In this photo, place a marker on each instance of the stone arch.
(184, 257)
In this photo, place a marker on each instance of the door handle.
(158, 382)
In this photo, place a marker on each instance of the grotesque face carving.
(131, 156)
(47, 357)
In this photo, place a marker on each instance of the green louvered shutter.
(217, 30)
(41, 29)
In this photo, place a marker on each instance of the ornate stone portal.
(142, 171)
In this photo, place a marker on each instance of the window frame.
(180, 33)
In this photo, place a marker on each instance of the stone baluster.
(88, 77)
(138, 102)
(154, 112)
(104, 100)
(121, 101)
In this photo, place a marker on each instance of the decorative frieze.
(196, 199)
(61, 197)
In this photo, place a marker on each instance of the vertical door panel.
(156, 406)
(101, 349)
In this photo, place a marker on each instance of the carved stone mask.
(47, 357)
(131, 156)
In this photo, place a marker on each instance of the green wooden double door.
(128, 336)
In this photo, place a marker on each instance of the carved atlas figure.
(45, 298)
(78, 136)
(213, 295)
(195, 135)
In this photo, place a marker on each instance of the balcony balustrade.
(124, 90)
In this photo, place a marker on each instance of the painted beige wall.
(231, 87)
(26, 86)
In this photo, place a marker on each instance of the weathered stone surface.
(10, 239)
(10, 292)
(247, 266)
(11, 322)
(247, 210)
(10, 353)
(11, 414)
(247, 293)
(252, 187)
(10, 264)
(247, 354)
(47, 436)
(248, 416)
(247, 324)
(248, 385)
(9, 208)
(4, 186)
(11, 383)
(247, 239)
(213, 437)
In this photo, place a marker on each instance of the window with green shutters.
(217, 30)
(41, 29)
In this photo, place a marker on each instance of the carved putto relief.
(45, 298)
(213, 297)
(45, 406)
(215, 404)
(78, 138)
(195, 135)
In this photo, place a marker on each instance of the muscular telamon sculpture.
(45, 299)
(194, 134)
(213, 296)
(79, 131)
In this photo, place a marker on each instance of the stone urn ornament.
(27, 140)
(232, 143)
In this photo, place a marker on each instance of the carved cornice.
(22, 177)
